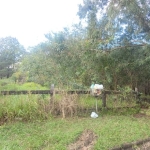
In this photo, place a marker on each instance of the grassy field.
(56, 134)
(30, 131)
(27, 122)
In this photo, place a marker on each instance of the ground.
(145, 146)
(85, 142)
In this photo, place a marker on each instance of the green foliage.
(10, 53)
(113, 49)
(32, 86)
(9, 84)
(19, 77)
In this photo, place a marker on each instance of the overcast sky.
(29, 20)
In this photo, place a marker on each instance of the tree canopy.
(10, 53)
(113, 48)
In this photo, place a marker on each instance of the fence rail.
(24, 92)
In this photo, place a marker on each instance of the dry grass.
(66, 106)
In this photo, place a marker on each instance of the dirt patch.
(145, 146)
(85, 142)
(138, 145)
(141, 115)
(3, 120)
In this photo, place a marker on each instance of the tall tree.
(123, 27)
(10, 53)
(119, 21)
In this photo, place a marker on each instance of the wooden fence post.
(51, 102)
(52, 91)
(103, 98)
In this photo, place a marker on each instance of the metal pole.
(96, 104)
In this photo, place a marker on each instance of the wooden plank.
(117, 92)
(78, 92)
(25, 92)
(41, 92)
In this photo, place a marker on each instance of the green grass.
(56, 134)
(8, 84)
(25, 107)
(30, 127)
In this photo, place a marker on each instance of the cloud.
(29, 20)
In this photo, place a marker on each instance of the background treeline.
(110, 45)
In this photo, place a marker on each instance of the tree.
(121, 31)
(113, 49)
(10, 53)
(133, 16)
(128, 24)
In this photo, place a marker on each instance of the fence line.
(24, 92)
(102, 96)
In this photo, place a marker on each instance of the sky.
(29, 20)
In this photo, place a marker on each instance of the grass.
(56, 134)
(8, 84)
(25, 107)
(30, 127)
(31, 107)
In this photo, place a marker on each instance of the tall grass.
(30, 107)
(33, 107)
(24, 107)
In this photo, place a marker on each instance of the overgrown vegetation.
(33, 121)
(32, 107)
